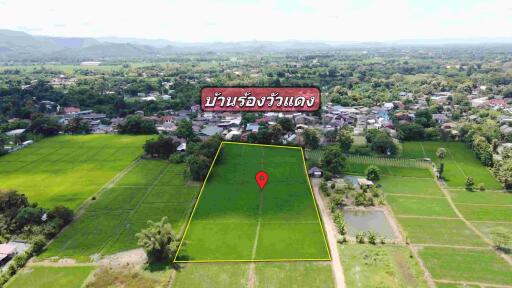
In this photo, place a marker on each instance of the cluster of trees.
(482, 138)
(201, 155)
(380, 142)
(333, 161)
(503, 169)
(137, 125)
(162, 147)
(370, 196)
(21, 219)
(78, 126)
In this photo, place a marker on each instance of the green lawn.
(380, 266)
(294, 275)
(212, 275)
(110, 223)
(66, 170)
(232, 213)
(411, 186)
(420, 206)
(439, 231)
(466, 265)
(50, 277)
(459, 163)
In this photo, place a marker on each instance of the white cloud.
(231, 20)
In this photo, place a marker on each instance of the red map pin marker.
(261, 179)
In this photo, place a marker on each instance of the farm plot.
(234, 221)
(49, 277)
(459, 163)
(420, 206)
(410, 186)
(440, 232)
(470, 265)
(151, 190)
(357, 164)
(380, 266)
(66, 170)
(221, 275)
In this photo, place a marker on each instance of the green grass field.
(459, 163)
(485, 213)
(467, 265)
(212, 275)
(151, 190)
(380, 266)
(66, 170)
(440, 231)
(410, 186)
(226, 275)
(477, 197)
(420, 206)
(294, 275)
(50, 277)
(235, 221)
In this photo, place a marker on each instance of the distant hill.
(18, 46)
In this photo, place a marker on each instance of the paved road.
(331, 235)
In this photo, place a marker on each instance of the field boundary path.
(330, 229)
(470, 226)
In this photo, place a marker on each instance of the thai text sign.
(282, 99)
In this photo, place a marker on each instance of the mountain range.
(21, 46)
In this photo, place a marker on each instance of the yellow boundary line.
(252, 260)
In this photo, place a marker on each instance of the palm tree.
(158, 241)
(441, 154)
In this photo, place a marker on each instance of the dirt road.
(331, 234)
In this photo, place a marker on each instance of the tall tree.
(185, 131)
(333, 160)
(345, 140)
(311, 138)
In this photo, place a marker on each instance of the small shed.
(7, 251)
(315, 172)
(364, 183)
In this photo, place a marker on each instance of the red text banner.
(278, 99)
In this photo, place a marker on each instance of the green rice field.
(151, 190)
(234, 221)
(50, 277)
(66, 170)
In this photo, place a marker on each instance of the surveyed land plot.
(66, 170)
(234, 220)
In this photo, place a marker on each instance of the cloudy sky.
(239, 20)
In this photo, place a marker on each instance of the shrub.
(63, 213)
(372, 237)
(372, 173)
(333, 185)
(38, 244)
(327, 176)
(323, 186)
(361, 237)
(481, 187)
(470, 183)
(177, 158)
